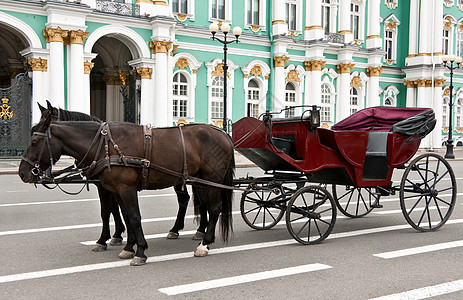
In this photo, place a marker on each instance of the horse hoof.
(201, 250)
(115, 241)
(198, 236)
(172, 235)
(138, 261)
(99, 248)
(126, 254)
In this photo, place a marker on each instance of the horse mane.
(66, 115)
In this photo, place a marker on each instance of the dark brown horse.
(108, 203)
(176, 154)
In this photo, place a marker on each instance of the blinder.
(36, 170)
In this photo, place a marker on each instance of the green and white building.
(341, 55)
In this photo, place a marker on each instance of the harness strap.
(185, 166)
(147, 160)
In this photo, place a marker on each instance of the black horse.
(209, 162)
(108, 203)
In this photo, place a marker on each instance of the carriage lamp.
(314, 117)
(225, 28)
(451, 62)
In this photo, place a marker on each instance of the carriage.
(311, 172)
(355, 159)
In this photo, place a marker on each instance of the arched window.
(217, 98)
(355, 20)
(326, 15)
(252, 109)
(445, 106)
(180, 96)
(458, 113)
(354, 101)
(388, 101)
(290, 99)
(446, 42)
(325, 111)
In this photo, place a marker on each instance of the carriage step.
(376, 205)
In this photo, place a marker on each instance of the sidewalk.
(10, 166)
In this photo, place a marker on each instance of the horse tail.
(226, 220)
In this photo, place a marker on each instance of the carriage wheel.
(428, 192)
(310, 215)
(259, 210)
(355, 202)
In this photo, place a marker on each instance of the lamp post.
(451, 62)
(213, 28)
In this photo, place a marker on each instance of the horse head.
(49, 112)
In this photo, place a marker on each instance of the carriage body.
(361, 151)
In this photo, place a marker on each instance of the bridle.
(36, 170)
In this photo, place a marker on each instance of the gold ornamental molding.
(313, 27)
(145, 72)
(439, 82)
(391, 25)
(424, 54)
(256, 71)
(55, 34)
(428, 83)
(344, 32)
(279, 61)
(145, 1)
(88, 66)
(181, 17)
(218, 71)
(314, 65)
(293, 76)
(174, 49)
(448, 24)
(195, 71)
(374, 71)
(182, 63)
(245, 75)
(356, 82)
(420, 83)
(160, 2)
(113, 80)
(447, 91)
(344, 68)
(255, 28)
(275, 22)
(38, 64)
(160, 46)
(5, 113)
(410, 84)
(76, 37)
(373, 36)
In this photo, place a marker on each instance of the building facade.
(154, 62)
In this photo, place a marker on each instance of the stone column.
(411, 93)
(313, 29)
(38, 67)
(373, 35)
(55, 38)
(413, 31)
(114, 102)
(147, 108)
(425, 29)
(279, 25)
(373, 98)
(76, 72)
(160, 49)
(344, 21)
(88, 66)
(314, 91)
(343, 101)
(279, 82)
(438, 27)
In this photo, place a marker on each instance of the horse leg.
(105, 207)
(117, 237)
(127, 252)
(201, 231)
(213, 207)
(182, 198)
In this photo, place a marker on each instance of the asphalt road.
(45, 253)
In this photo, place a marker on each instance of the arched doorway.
(114, 88)
(15, 93)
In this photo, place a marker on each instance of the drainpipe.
(270, 78)
(433, 33)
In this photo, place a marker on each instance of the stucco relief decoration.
(391, 25)
(448, 23)
(38, 64)
(344, 68)
(448, 3)
(182, 63)
(293, 33)
(88, 66)
(256, 71)
(293, 76)
(460, 27)
(55, 34)
(279, 61)
(160, 46)
(391, 4)
(145, 73)
(218, 71)
(255, 28)
(5, 112)
(447, 91)
(76, 37)
(374, 71)
(181, 17)
(356, 82)
(314, 65)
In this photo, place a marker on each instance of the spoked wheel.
(355, 202)
(260, 209)
(428, 192)
(310, 215)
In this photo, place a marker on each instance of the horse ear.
(50, 108)
(47, 121)
(41, 107)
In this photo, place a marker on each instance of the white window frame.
(354, 108)
(459, 40)
(445, 111)
(361, 19)
(251, 101)
(328, 76)
(326, 15)
(458, 113)
(450, 39)
(391, 25)
(228, 11)
(190, 13)
(182, 97)
(262, 14)
(298, 23)
(216, 100)
(262, 80)
(326, 106)
(288, 93)
(390, 92)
